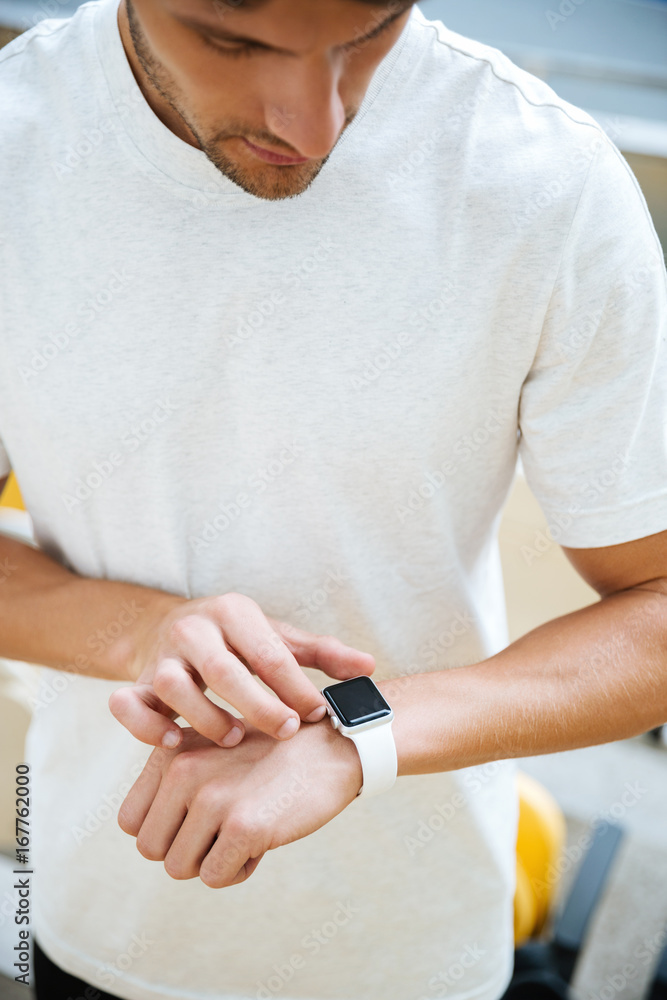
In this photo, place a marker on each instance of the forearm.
(590, 677)
(56, 618)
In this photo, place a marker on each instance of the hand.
(214, 813)
(217, 642)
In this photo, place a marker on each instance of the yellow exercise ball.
(540, 842)
(11, 495)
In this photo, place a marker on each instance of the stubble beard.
(272, 183)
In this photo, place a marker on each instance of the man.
(287, 287)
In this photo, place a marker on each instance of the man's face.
(292, 92)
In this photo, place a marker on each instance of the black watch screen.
(356, 701)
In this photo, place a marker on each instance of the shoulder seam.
(544, 104)
(558, 107)
(6, 53)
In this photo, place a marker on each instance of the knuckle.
(219, 606)
(212, 878)
(167, 681)
(210, 799)
(182, 767)
(236, 828)
(176, 869)
(229, 604)
(117, 702)
(148, 850)
(215, 666)
(239, 829)
(182, 629)
(269, 658)
(268, 716)
(126, 820)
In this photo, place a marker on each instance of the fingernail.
(288, 729)
(318, 714)
(171, 738)
(233, 737)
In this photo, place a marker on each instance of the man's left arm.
(595, 675)
(592, 414)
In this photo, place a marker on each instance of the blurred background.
(608, 57)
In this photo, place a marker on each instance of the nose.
(304, 107)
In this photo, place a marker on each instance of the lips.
(269, 157)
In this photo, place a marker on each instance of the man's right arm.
(53, 617)
(172, 648)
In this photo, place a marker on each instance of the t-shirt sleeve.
(593, 408)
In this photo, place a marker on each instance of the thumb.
(325, 652)
(146, 716)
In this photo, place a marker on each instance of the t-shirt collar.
(166, 156)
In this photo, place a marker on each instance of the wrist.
(449, 719)
(427, 725)
(134, 649)
(341, 752)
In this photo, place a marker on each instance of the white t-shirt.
(317, 402)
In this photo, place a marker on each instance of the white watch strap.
(379, 764)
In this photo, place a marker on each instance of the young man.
(286, 288)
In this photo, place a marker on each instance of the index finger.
(200, 641)
(252, 637)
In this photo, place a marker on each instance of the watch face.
(356, 701)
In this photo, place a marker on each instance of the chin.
(273, 182)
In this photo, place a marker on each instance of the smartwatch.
(357, 710)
